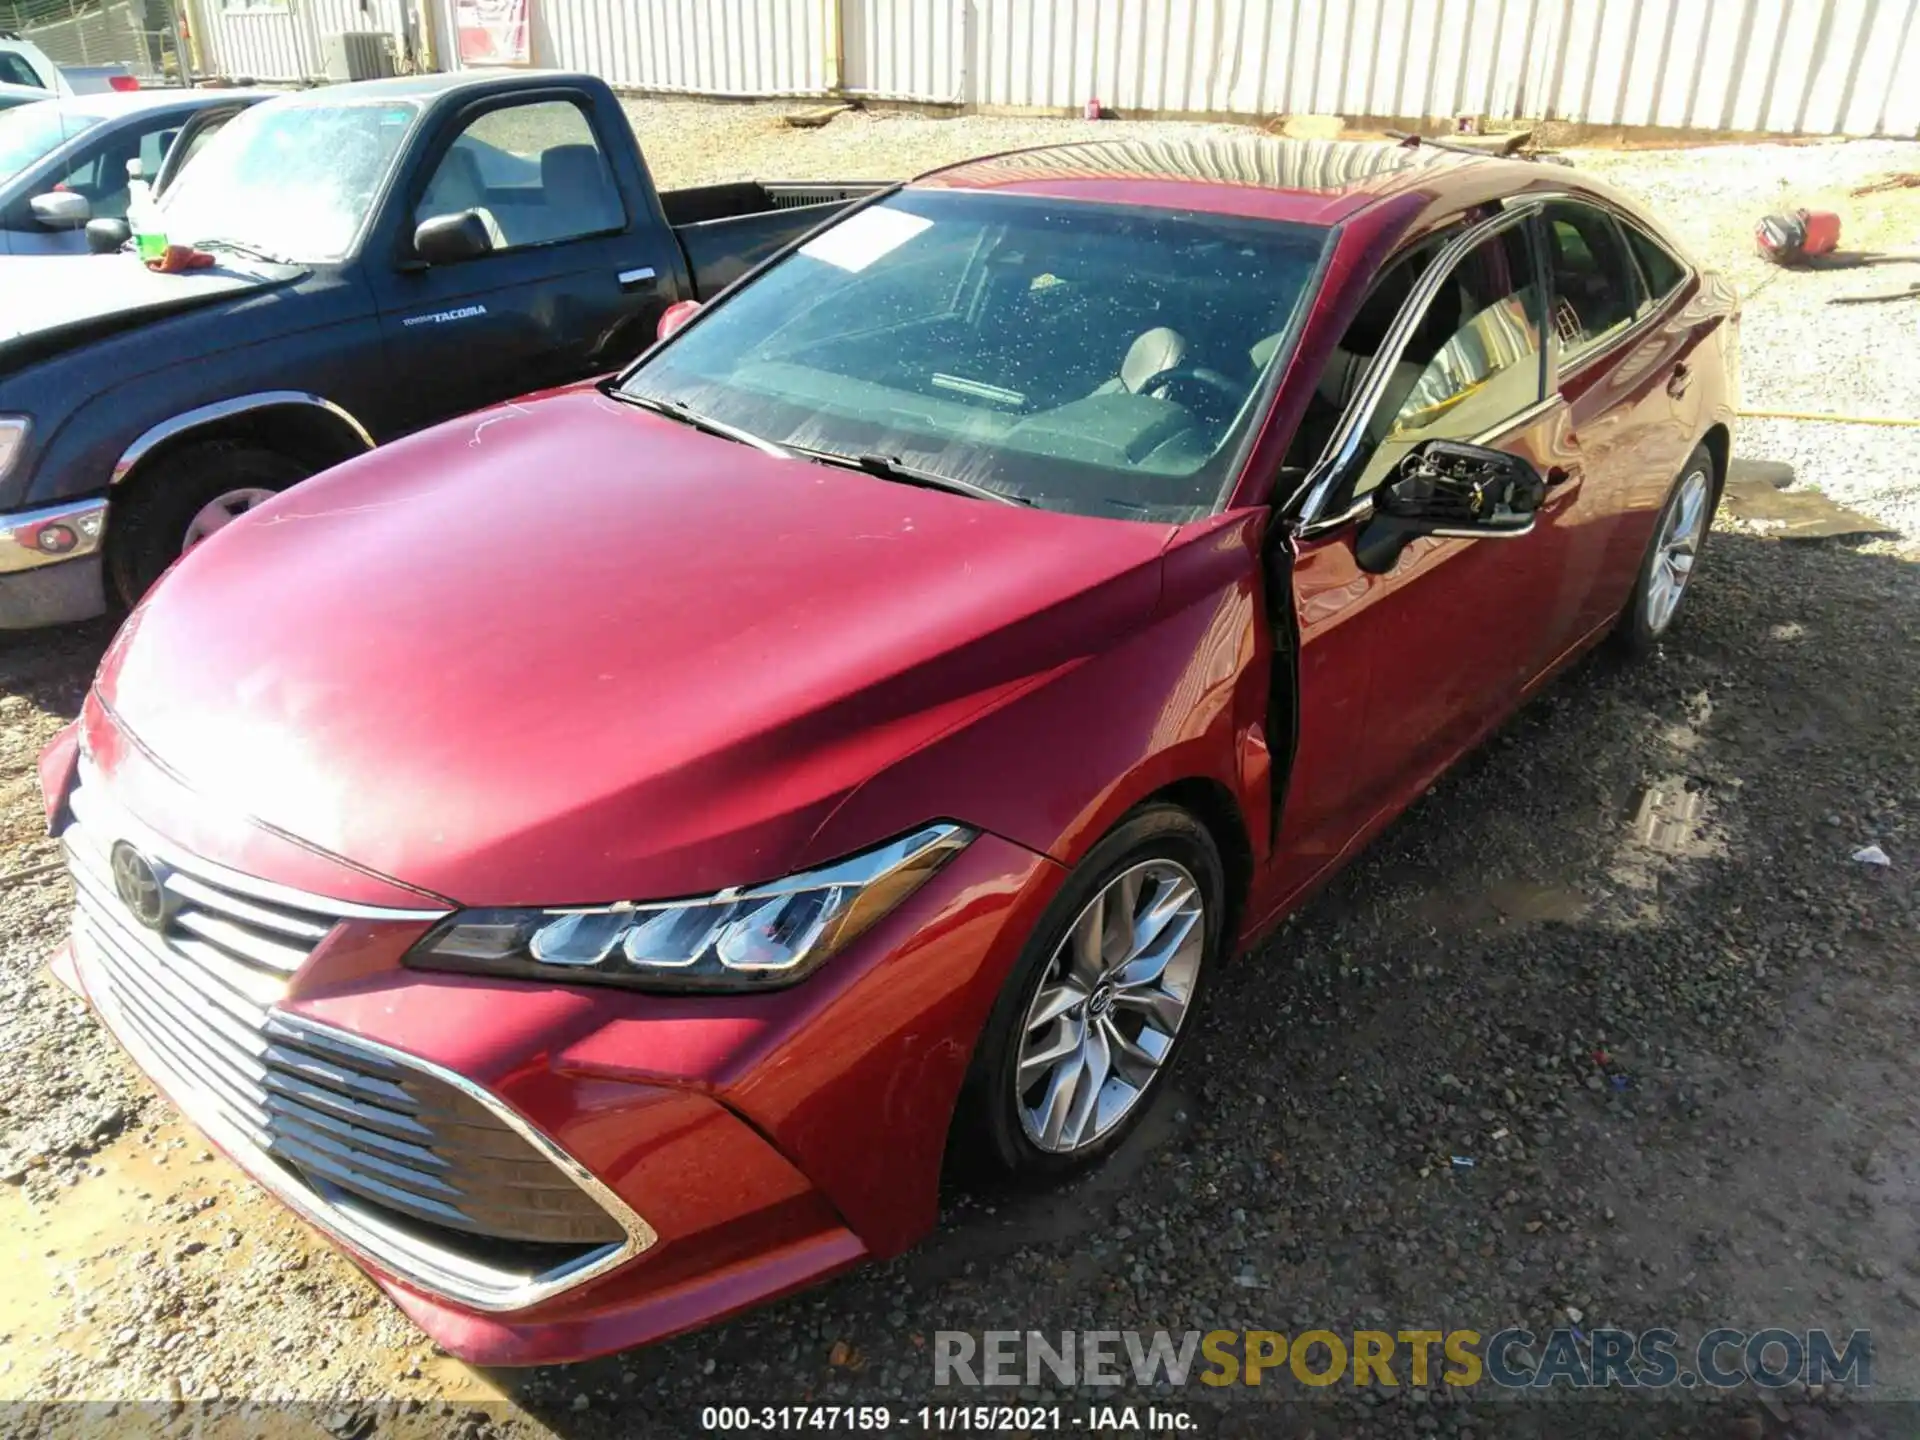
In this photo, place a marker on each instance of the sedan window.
(1595, 285)
(1661, 270)
(1472, 361)
(33, 132)
(1098, 358)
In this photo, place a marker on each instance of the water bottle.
(143, 216)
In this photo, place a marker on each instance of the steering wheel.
(1163, 380)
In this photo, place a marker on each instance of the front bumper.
(50, 566)
(743, 1146)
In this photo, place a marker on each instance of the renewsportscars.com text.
(1510, 1359)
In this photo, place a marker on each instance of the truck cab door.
(576, 275)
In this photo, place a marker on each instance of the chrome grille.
(424, 1175)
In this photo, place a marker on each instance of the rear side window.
(1596, 289)
(1662, 271)
(534, 172)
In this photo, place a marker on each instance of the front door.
(1442, 644)
(570, 288)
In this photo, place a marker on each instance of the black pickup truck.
(387, 255)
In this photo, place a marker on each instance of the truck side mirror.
(61, 210)
(106, 235)
(449, 239)
(674, 316)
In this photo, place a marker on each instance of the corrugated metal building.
(1788, 66)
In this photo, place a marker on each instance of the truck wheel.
(1100, 999)
(182, 498)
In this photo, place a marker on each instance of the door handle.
(1679, 380)
(634, 279)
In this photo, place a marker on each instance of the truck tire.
(180, 499)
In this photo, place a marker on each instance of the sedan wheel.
(1672, 557)
(1105, 990)
(1105, 1018)
(1681, 531)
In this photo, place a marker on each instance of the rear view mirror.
(449, 239)
(61, 210)
(1447, 488)
(674, 316)
(106, 235)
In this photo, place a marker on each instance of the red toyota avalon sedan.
(589, 859)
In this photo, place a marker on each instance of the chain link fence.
(140, 34)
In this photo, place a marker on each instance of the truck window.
(533, 172)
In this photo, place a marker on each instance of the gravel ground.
(1620, 959)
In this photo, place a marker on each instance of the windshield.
(1100, 359)
(292, 180)
(30, 133)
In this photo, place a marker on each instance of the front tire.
(1666, 571)
(183, 497)
(1102, 997)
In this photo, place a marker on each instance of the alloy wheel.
(1109, 1005)
(1681, 532)
(222, 511)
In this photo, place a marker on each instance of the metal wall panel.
(707, 47)
(1807, 66)
(285, 42)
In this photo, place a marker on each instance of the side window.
(100, 173)
(534, 172)
(1473, 360)
(1359, 343)
(14, 70)
(1596, 290)
(1662, 271)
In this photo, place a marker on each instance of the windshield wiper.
(705, 424)
(251, 252)
(892, 467)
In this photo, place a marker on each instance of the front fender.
(1055, 765)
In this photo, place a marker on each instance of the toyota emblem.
(137, 884)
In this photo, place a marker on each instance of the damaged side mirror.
(1444, 487)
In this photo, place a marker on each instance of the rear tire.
(180, 499)
(1050, 1095)
(1666, 571)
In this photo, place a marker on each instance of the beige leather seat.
(1152, 352)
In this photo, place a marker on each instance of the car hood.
(567, 651)
(51, 303)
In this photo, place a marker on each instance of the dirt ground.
(1620, 960)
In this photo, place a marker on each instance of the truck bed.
(728, 229)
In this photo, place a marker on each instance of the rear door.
(1619, 358)
(574, 284)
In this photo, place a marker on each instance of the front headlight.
(757, 939)
(13, 439)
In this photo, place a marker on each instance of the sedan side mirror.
(106, 235)
(449, 239)
(1447, 488)
(61, 210)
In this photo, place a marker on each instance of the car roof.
(1264, 176)
(113, 104)
(430, 86)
